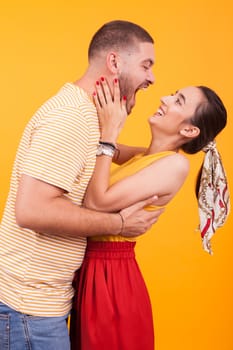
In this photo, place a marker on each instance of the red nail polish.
(115, 80)
(94, 93)
(102, 78)
(97, 83)
(124, 98)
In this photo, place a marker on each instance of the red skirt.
(112, 309)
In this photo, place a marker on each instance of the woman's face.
(176, 110)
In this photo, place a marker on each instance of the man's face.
(136, 72)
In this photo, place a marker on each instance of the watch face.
(99, 150)
(103, 149)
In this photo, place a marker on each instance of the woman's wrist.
(112, 147)
(109, 136)
(106, 148)
(109, 144)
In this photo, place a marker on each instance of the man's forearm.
(44, 208)
(61, 217)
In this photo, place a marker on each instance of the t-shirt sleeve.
(58, 148)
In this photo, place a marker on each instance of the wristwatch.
(106, 150)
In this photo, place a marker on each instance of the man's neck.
(86, 84)
(88, 80)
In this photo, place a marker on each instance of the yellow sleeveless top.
(129, 168)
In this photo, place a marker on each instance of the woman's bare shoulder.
(180, 161)
(175, 161)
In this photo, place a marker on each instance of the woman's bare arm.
(126, 152)
(163, 177)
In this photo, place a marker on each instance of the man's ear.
(190, 131)
(112, 61)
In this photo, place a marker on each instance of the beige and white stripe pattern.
(58, 146)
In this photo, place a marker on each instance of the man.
(44, 228)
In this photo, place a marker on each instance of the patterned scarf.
(213, 197)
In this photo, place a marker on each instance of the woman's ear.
(190, 131)
(112, 61)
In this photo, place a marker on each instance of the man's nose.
(151, 77)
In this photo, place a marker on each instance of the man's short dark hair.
(119, 35)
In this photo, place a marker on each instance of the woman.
(112, 308)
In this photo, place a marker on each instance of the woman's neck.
(162, 145)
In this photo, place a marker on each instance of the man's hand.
(138, 220)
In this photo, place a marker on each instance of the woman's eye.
(177, 101)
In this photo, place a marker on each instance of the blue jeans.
(23, 332)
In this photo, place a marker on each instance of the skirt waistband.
(109, 249)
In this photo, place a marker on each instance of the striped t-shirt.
(58, 146)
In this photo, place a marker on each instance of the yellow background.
(44, 44)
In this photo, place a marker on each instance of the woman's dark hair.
(210, 117)
(117, 34)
